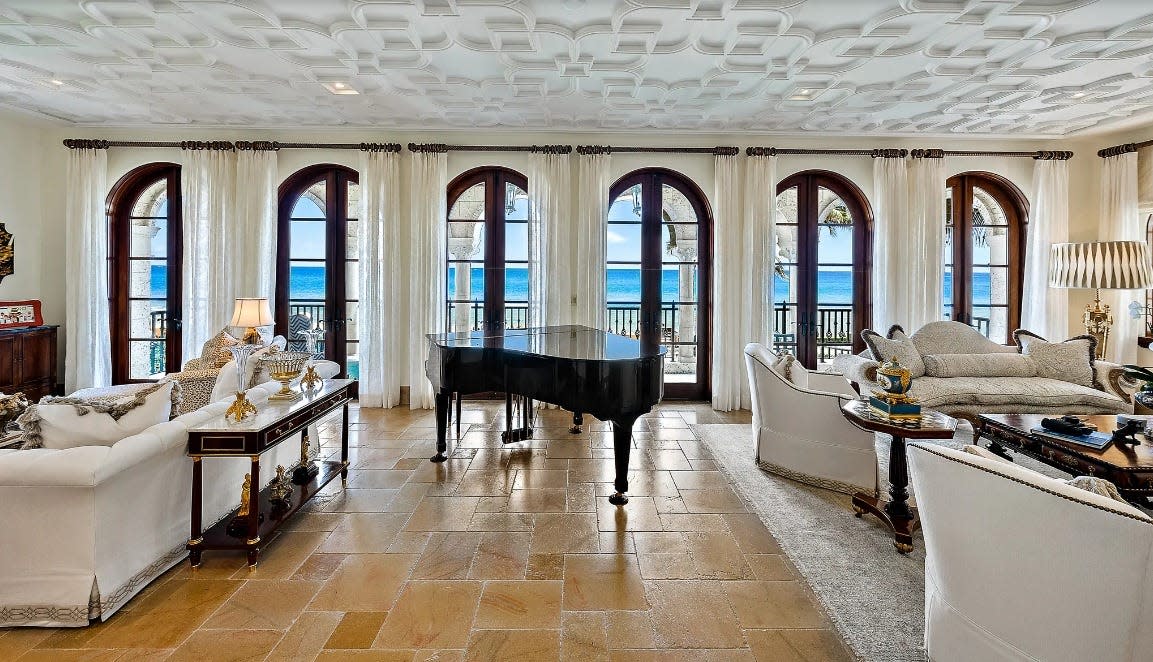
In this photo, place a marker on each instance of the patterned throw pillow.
(1098, 486)
(979, 365)
(101, 420)
(896, 345)
(215, 351)
(1070, 361)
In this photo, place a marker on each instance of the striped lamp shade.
(1106, 265)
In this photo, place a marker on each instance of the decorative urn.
(894, 378)
(893, 402)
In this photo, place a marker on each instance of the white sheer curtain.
(924, 269)
(1044, 309)
(381, 283)
(730, 281)
(589, 233)
(891, 295)
(253, 231)
(426, 281)
(207, 184)
(88, 347)
(1120, 221)
(550, 239)
(760, 246)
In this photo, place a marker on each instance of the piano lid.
(565, 342)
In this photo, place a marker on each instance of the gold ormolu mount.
(238, 527)
(240, 408)
(310, 380)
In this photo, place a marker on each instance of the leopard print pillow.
(215, 351)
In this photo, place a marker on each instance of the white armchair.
(1020, 566)
(798, 427)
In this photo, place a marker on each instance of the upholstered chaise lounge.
(1106, 390)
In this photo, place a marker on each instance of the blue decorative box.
(895, 410)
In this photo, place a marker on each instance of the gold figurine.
(311, 380)
(240, 409)
(305, 470)
(245, 496)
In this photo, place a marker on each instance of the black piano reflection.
(581, 369)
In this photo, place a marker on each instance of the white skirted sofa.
(84, 529)
(798, 427)
(942, 347)
(1020, 566)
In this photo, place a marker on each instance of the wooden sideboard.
(28, 361)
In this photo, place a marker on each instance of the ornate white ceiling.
(825, 66)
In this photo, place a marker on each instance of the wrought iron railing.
(832, 326)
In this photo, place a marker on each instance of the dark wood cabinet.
(28, 361)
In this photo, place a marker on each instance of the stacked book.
(1094, 440)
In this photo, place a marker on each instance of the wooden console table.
(897, 514)
(273, 423)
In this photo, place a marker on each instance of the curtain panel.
(892, 247)
(88, 345)
(550, 240)
(759, 255)
(426, 278)
(1044, 309)
(1121, 221)
(924, 271)
(381, 282)
(592, 205)
(207, 184)
(253, 235)
(731, 273)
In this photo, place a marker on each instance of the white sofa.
(85, 529)
(966, 397)
(798, 427)
(1019, 566)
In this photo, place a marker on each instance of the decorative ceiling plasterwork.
(996, 67)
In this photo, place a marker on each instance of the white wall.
(41, 152)
(21, 210)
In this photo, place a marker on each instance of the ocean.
(836, 287)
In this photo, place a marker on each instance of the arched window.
(317, 280)
(658, 248)
(144, 256)
(488, 213)
(824, 235)
(985, 217)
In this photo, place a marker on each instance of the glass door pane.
(989, 248)
(516, 284)
(148, 284)
(623, 264)
(466, 241)
(680, 315)
(947, 257)
(834, 330)
(786, 281)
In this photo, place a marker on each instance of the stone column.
(686, 330)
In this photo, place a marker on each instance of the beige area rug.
(875, 596)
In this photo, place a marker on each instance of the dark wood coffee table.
(1130, 468)
(897, 514)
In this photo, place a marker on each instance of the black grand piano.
(583, 370)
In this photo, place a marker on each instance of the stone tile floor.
(501, 553)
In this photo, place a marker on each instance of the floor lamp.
(1100, 265)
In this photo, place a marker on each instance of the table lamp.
(251, 313)
(1100, 265)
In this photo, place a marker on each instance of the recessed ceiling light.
(805, 91)
(338, 87)
(1078, 95)
(56, 82)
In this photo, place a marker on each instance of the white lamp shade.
(251, 313)
(1106, 265)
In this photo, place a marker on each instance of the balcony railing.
(832, 327)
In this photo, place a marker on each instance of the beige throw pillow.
(1070, 361)
(897, 345)
(979, 365)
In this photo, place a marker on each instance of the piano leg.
(622, 445)
(459, 398)
(443, 403)
(578, 420)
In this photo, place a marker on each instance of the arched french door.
(658, 250)
(144, 257)
(317, 280)
(985, 222)
(487, 260)
(821, 299)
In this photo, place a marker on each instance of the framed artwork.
(16, 314)
(7, 250)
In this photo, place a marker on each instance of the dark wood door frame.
(336, 179)
(808, 182)
(652, 208)
(1016, 208)
(121, 200)
(495, 179)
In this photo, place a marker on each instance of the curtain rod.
(257, 145)
(438, 148)
(901, 153)
(1123, 149)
